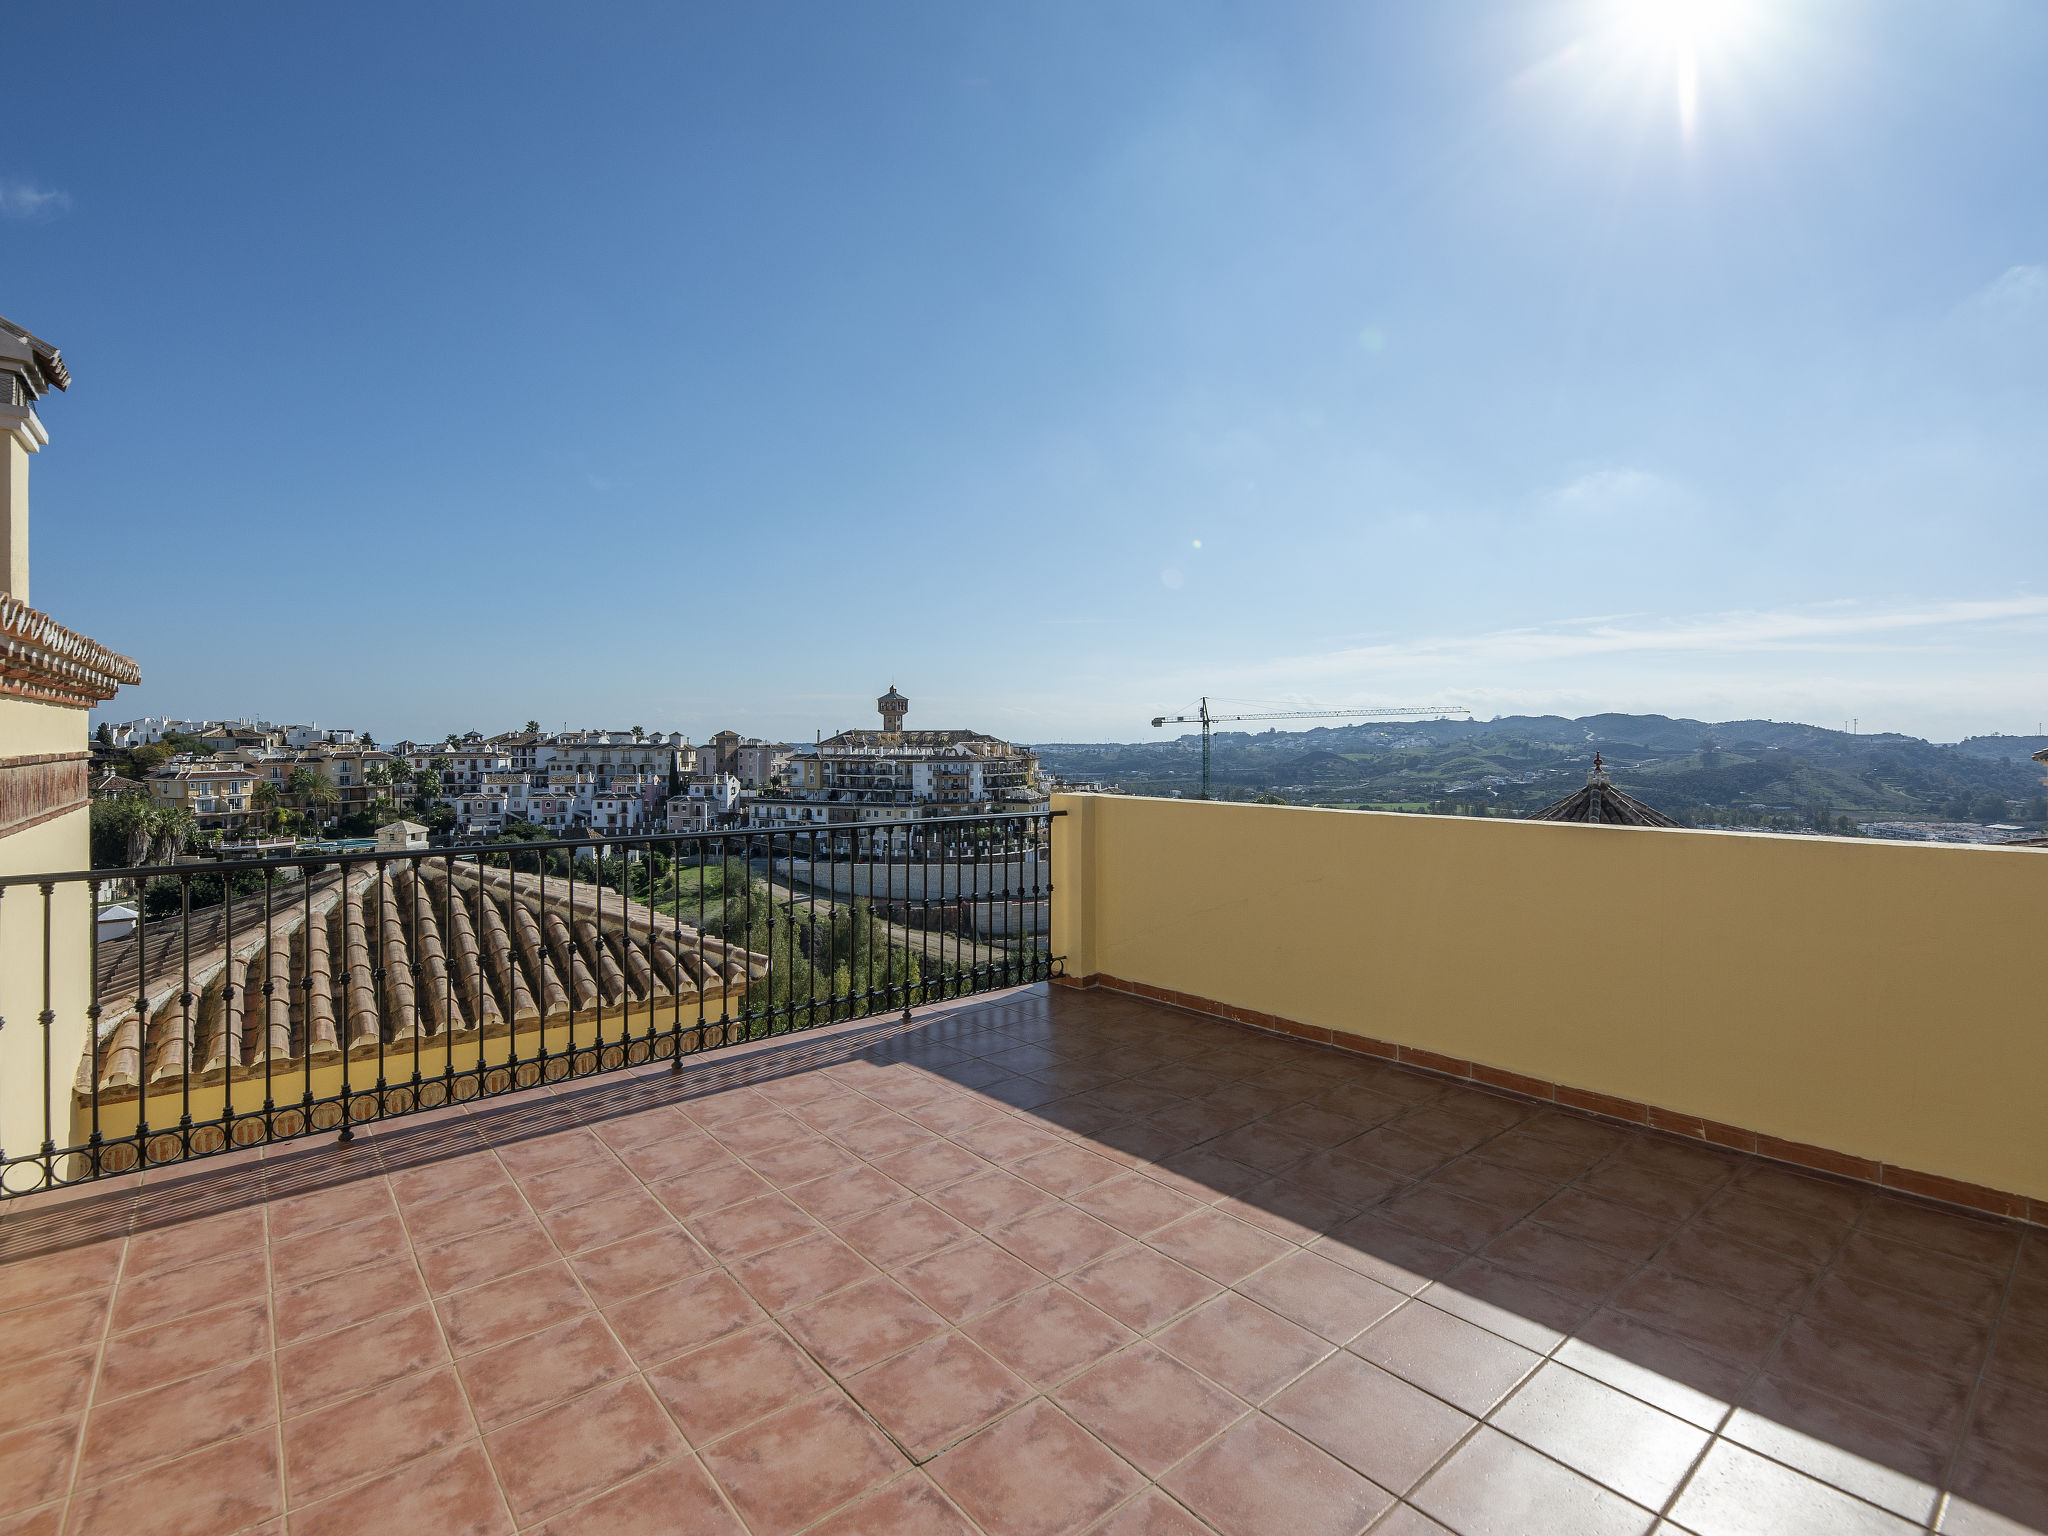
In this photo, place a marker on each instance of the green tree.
(322, 798)
(178, 742)
(104, 735)
(267, 799)
(533, 727)
(121, 831)
(1989, 807)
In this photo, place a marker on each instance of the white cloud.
(1936, 669)
(32, 204)
(1844, 627)
(1616, 491)
(2016, 291)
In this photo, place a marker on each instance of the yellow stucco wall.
(1881, 999)
(288, 1084)
(28, 728)
(64, 843)
(60, 844)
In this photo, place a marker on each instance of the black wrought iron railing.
(194, 1008)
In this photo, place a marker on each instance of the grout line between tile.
(1945, 1492)
(1028, 1116)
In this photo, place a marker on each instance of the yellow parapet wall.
(1883, 1000)
(589, 1040)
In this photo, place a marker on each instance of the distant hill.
(2020, 748)
(1766, 773)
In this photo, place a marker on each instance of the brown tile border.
(1906, 1181)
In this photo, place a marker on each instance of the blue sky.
(442, 367)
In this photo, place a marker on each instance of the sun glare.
(1680, 35)
(1685, 26)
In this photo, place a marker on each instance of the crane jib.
(1205, 719)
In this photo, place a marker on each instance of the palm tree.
(131, 814)
(170, 827)
(321, 797)
(267, 799)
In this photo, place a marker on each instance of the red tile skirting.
(1927, 1186)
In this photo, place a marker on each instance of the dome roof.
(1601, 802)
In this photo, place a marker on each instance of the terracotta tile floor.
(1041, 1263)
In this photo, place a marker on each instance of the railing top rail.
(594, 842)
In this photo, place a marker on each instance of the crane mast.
(1205, 718)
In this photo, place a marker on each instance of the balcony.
(1051, 1261)
(1282, 1252)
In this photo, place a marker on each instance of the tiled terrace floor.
(1039, 1264)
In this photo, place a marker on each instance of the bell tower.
(893, 707)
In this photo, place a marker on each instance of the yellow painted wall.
(60, 844)
(31, 729)
(1882, 999)
(13, 521)
(289, 1084)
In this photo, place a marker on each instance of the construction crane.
(1206, 719)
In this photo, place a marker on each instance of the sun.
(1684, 37)
(1686, 26)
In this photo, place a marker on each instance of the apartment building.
(613, 780)
(754, 762)
(892, 774)
(707, 801)
(217, 794)
(461, 766)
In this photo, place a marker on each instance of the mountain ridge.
(1705, 773)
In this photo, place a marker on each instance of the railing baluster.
(984, 879)
(185, 1002)
(49, 1020)
(347, 1026)
(92, 1018)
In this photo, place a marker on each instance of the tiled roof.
(1601, 802)
(45, 361)
(40, 659)
(488, 960)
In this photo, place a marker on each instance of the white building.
(299, 737)
(617, 810)
(705, 803)
(129, 734)
(754, 762)
(894, 775)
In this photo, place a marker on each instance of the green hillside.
(1757, 773)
